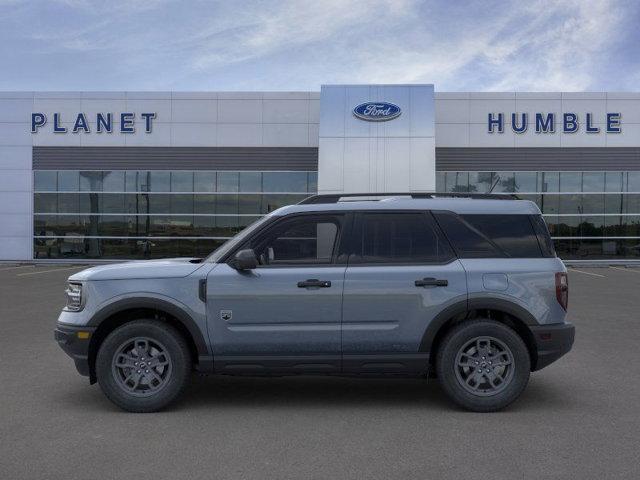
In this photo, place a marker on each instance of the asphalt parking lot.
(579, 418)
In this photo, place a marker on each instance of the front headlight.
(74, 297)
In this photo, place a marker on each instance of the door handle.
(312, 282)
(431, 282)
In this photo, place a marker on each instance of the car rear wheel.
(483, 365)
(143, 365)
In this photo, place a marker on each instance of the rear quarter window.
(514, 234)
(546, 243)
(467, 241)
(491, 236)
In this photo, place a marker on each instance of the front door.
(283, 316)
(401, 274)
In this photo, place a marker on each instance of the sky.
(285, 45)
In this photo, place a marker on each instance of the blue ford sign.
(377, 111)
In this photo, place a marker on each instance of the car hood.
(166, 268)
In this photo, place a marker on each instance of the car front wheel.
(143, 366)
(483, 365)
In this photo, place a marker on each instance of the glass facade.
(153, 214)
(590, 215)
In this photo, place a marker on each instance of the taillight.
(562, 289)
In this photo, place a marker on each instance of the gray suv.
(467, 288)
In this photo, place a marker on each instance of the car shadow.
(228, 392)
(312, 392)
(305, 391)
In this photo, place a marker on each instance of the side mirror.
(245, 260)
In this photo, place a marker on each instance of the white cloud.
(565, 55)
(291, 23)
(544, 46)
(299, 44)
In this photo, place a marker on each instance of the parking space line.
(586, 273)
(48, 271)
(632, 270)
(19, 266)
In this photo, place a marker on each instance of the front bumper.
(552, 342)
(75, 343)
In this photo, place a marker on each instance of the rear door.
(401, 274)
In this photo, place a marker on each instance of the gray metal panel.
(537, 159)
(175, 158)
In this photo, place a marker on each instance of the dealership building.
(120, 175)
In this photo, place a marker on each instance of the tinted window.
(91, 181)
(159, 182)
(228, 181)
(480, 182)
(204, 181)
(68, 181)
(113, 181)
(302, 240)
(513, 234)
(284, 181)
(526, 181)
(134, 181)
(457, 182)
(546, 244)
(613, 182)
(312, 182)
(504, 182)
(45, 181)
(466, 240)
(550, 182)
(593, 182)
(571, 181)
(250, 181)
(399, 238)
(182, 181)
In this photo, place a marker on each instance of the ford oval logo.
(377, 111)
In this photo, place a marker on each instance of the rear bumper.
(552, 342)
(75, 346)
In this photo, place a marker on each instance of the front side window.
(300, 240)
(399, 238)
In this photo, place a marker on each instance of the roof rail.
(336, 197)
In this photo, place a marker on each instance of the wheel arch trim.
(466, 306)
(154, 303)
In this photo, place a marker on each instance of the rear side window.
(490, 236)
(399, 238)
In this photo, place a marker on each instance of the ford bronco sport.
(467, 288)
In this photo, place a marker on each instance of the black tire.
(479, 394)
(124, 385)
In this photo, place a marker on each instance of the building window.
(153, 214)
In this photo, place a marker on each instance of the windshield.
(223, 249)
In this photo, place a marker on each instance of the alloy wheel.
(141, 366)
(484, 366)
